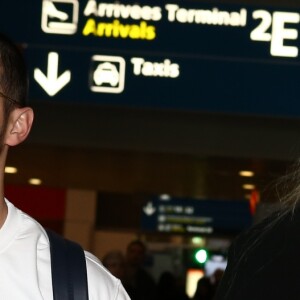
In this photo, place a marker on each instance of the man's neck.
(3, 205)
(3, 212)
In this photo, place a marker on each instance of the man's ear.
(19, 125)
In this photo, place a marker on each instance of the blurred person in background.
(114, 262)
(169, 288)
(215, 279)
(204, 289)
(25, 271)
(263, 262)
(137, 281)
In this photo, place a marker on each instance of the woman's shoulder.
(262, 261)
(278, 224)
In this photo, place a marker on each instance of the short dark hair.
(13, 73)
(13, 80)
(138, 243)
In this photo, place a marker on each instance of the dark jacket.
(264, 262)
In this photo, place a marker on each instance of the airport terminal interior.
(180, 158)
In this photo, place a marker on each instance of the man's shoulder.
(101, 283)
(96, 270)
(27, 230)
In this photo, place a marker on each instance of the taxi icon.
(106, 73)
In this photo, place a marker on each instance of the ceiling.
(143, 151)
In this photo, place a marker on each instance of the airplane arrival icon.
(60, 16)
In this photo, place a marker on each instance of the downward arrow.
(52, 83)
(149, 209)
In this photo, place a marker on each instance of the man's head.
(15, 118)
(114, 261)
(136, 252)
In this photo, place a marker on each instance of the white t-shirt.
(25, 272)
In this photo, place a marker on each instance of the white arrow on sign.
(149, 209)
(52, 83)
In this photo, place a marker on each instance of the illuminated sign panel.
(185, 55)
(195, 216)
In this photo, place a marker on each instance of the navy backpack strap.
(68, 267)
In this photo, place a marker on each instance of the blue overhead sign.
(195, 216)
(171, 55)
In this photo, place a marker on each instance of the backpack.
(68, 268)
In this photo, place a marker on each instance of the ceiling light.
(10, 170)
(35, 181)
(248, 186)
(246, 173)
(197, 240)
